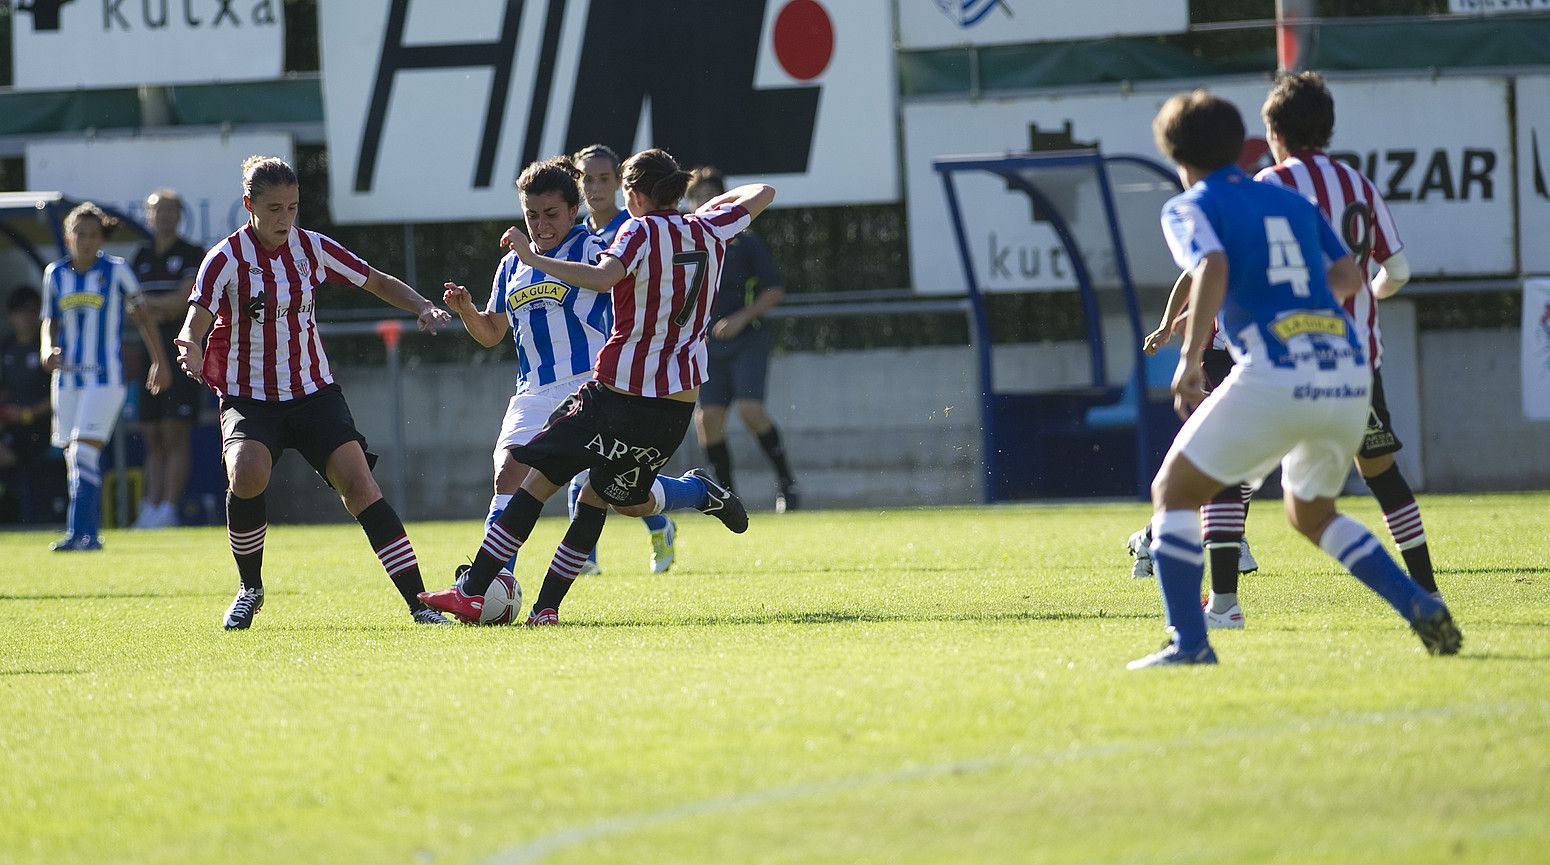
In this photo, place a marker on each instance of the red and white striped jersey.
(672, 264)
(1361, 218)
(265, 342)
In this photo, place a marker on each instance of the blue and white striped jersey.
(558, 328)
(612, 228)
(89, 311)
(1279, 310)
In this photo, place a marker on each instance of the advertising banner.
(432, 109)
(205, 170)
(947, 23)
(1446, 174)
(1533, 98)
(1496, 7)
(1536, 349)
(62, 44)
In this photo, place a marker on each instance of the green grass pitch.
(913, 686)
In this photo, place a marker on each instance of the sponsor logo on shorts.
(1313, 392)
(627, 481)
(552, 292)
(608, 449)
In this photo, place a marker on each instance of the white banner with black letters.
(1533, 100)
(1445, 174)
(1536, 349)
(205, 169)
(433, 109)
(64, 44)
(950, 23)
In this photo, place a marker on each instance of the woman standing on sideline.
(85, 298)
(265, 360)
(166, 267)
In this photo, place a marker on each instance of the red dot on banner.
(804, 39)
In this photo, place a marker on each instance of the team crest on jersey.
(302, 266)
(80, 299)
(1309, 322)
(547, 291)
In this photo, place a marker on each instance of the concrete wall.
(900, 427)
(1476, 436)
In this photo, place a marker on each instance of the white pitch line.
(544, 846)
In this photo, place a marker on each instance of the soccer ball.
(502, 600)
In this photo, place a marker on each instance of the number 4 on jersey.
(697, 259)
(1286, 261)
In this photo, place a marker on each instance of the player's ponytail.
(656, 173)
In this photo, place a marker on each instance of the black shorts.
(1216, 363)
(624, 439)
(739, 374)
(1379, 438)
(182, 400)
(179, 402)
(315, 426)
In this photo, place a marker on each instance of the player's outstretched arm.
(1393, 273)
(396, 292)
(593, 277)
(754, 197)
(487, 328)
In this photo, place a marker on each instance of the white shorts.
(528, 411)
(86, 412)
(1309, 422)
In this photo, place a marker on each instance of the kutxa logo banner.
(65, 44)
(433, 108)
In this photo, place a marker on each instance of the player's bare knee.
(590, 497)
(1371, 467)
(752, 413)
(640, 510)
(358, 491)
(508, 473)
(1309, 518)
(247, 478)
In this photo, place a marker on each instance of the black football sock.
(1222, 528)
(502, 540)
(580, 539)
(1224, 569)
(385, 531)
(721, 460)
(773, 449)
(247, 522)
(1403, 517)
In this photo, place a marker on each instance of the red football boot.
(466, 608)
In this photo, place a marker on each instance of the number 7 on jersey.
(697, 259)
